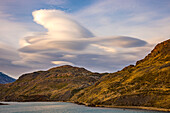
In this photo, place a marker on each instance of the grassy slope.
(145, 84)
(56, 84)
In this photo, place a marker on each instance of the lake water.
(60, 107)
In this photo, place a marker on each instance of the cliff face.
(145, 84)
(56, 84)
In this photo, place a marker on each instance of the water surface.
(61, 107)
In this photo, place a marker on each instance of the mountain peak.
(5, 78)
(162, 49)
(68, 68)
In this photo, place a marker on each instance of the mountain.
(145, 84)
(56, 84)
(4, 79)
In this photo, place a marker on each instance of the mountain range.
(4, 79)
(147, 84)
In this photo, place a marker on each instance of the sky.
(100, 35)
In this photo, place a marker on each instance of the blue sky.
(100, 35)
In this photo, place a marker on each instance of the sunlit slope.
(56, 84)
(145, 84)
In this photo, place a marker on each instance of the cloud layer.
(68, 42)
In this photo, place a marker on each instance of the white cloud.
(67, 42)
(62, 63)
(60, 25)
(107, 49)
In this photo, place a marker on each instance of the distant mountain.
(5, 78)
(145, 84)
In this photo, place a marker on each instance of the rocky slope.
(145, 84)
(56, 84)
(4, 79)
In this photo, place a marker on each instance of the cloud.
(62, 63)
(142, 19)
(53, 44)
(6, 50)
(7, 33)
(121, 41)
(12, 31)
(63, 33)
(7, 56)
(60, 25)
(105, 48)
(67, 42)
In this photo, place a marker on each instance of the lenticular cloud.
(68, 42)
(60, 25)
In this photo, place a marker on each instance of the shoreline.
(136, 107)
(3, 104)
(102, 106)
(126, 107)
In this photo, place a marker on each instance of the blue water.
(60, 107)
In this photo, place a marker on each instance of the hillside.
(4, 79)
(145, 84)
(56, 84)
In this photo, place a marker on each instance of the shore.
(3, 104)
(108, 106)
(136, 107)
(126, 107)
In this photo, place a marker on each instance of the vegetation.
(145, 84)
(56, 84)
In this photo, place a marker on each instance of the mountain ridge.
(147, 82)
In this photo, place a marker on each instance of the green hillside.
(145, 84)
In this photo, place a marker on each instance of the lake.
(61, 107)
